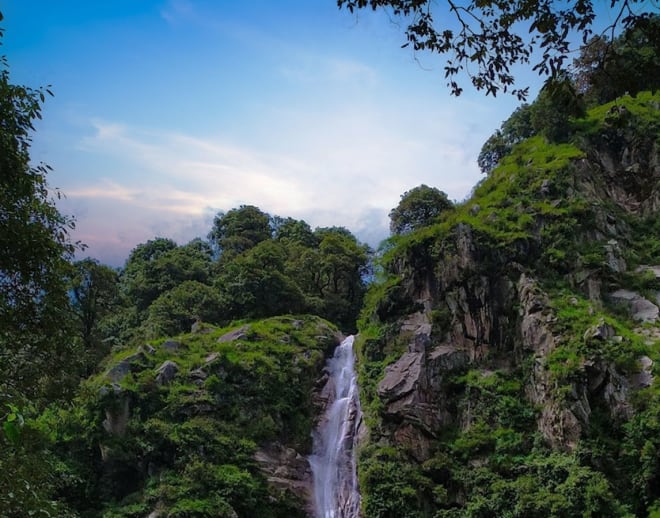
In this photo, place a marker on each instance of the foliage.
(254, 284)
(159, 265)
(393, 485)
(189, 444)
(176, 310)
(515, 129)
(293, 230)
(553, 109)
(239, 230)
(94, 294)
(419, 207)
(629, 64)
(543, 210)
(487, 39)
(34, 249)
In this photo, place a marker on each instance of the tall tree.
(37, 360)
(254, 284)
(513, 130)
(34, 251)
(94, 293)
(607, 69)
(159, 265)
(486, 39)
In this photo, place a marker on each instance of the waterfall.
(333, 460)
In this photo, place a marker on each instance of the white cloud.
(344, 164)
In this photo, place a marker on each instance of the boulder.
(236, 334)
(287, 470)
(119, 371)
(116, 417)
(641, 309)
(171, 346)
(402, 377)
(166, 372)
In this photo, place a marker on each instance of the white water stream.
(333, 461)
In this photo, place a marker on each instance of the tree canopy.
(604, 70)
(486, 39)
(607, 68)
(418, 208)
(239, 229)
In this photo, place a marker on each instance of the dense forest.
(507, 344)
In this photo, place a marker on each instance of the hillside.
(210, 423)
(507, 352)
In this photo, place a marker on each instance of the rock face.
(549, 308)
(641, 309)
(166, 372)
(287, 470)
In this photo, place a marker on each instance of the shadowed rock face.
(287, 470)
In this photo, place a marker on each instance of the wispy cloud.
(175, 11)
(337, 167)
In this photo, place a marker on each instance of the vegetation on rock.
(498, 376)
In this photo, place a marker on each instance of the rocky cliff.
(507, 354)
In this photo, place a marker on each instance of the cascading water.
(333, 463)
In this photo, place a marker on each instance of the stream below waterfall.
(333, 459)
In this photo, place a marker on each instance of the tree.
(254, 284)
(485, 39)
(177, 309)
(36, 353)
(159, 265)
(293, 230)
(515, 129)
(34, 251)
(419, 207)
(94, 293)
(630, 63)
(554, 107)
(239, 230)
(331, 274)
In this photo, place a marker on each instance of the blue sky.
(168, 111)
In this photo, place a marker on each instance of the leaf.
(12, 432)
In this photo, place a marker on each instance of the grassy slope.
(189, 445)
